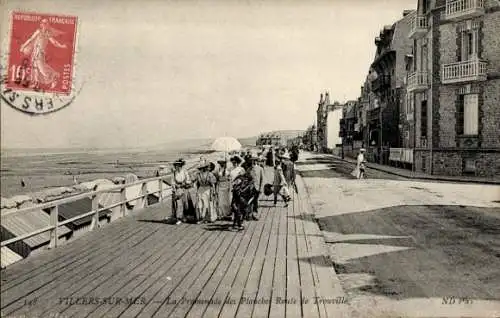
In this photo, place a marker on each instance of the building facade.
(453, 87)
(388, 73)
(328, 117)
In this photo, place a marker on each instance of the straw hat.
(204, 165)
(362, 149)
(236, 159)
(179, 162)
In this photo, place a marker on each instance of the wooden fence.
(53, 206)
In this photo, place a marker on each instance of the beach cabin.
(75, 208)
(17, 225)
(9, 257)
(154, 194)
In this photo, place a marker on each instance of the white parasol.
(226, 144)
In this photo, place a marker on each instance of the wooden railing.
(458, 8)
(471, 70)
(53, 207)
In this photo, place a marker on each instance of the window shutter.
(471, 114)
(476, 42)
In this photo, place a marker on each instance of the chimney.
(321, 98)
(327, 98)
(406, 12)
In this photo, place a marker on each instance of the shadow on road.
(455, 250)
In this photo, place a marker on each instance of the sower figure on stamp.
(180, 191)
(35, 48)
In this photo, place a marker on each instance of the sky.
(157, 71)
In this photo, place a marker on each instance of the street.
(404, 246)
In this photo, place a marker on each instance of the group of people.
(231, 191)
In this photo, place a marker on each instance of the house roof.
(8, 256)
(29, 222)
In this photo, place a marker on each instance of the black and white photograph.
(250, 158)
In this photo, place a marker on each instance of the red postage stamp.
(41, 55)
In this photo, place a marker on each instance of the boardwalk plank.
(154, 285)
(265, 287)
(221, 272)
(206, 271)
(145, 277)
(279, 275)
(307, 284)
(180, 275)
(281, 256)
(122, 285)
(52, 285)
(222, 292)
(293, 293)
(55, 260)
(73, 249)
(249, 296)
(243, 272)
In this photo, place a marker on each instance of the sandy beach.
(53, 169)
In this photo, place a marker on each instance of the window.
(423, 118)
(425, 6)
(470, 45)
(471, 114)
(468, 115)
(423, 58)
(410, 104)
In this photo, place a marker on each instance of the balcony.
(418, 26)
(417, 82)
(383, 81)
(463, 9)
(467, 71)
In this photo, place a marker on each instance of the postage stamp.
(39, 73)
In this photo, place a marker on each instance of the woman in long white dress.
(205, 185)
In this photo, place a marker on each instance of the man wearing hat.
(360, 165)
(257, 173)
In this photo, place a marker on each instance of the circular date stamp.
(38, 73)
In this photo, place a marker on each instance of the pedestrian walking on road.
(360, 170)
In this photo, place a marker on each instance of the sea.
(47, 168)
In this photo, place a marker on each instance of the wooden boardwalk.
(140, 266)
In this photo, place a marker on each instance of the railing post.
(95, 208)
(123, 205)
(54, 217)
(160, 186)
(144, 194)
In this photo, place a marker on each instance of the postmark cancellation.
(38, 64)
